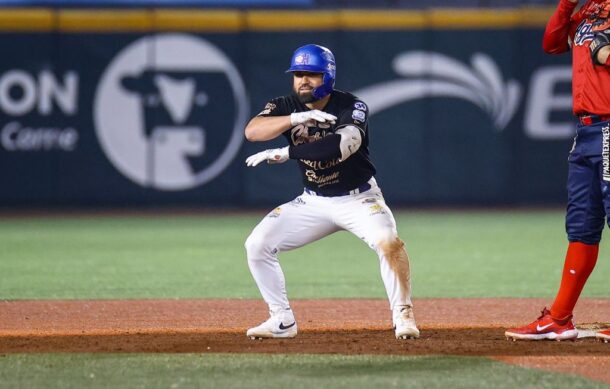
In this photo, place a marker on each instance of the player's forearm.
(555, 40)
(266, 128)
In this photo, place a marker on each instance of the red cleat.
(544, 328)
(604, 335)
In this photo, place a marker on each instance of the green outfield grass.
(453, 254)
(270, 371)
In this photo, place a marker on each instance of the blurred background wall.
(132, 103)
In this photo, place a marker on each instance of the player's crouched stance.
(327, 132)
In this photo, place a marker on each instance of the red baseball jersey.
(565, 30)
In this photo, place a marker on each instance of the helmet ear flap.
(328, 84)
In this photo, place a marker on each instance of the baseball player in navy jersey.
(328, 134)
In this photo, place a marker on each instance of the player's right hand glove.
(269, 155)
(310, 118)
(600, 39)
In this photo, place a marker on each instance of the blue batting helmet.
(315, 59)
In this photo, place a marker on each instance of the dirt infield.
(449, 327)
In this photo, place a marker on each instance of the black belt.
(362, 188)
(586, 119)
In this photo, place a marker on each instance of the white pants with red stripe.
(309, 218)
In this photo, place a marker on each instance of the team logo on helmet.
(302, 59)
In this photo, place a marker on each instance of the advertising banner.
(156, 117)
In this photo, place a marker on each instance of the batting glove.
(269, 155)
(310, 118)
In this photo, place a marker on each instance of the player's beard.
(305, 97)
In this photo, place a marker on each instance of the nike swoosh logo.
(283, 327)
(538, 328)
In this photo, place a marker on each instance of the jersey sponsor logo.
(360, 105)
(322, 180)
(584, 33)
(426, 74)
(358, 115)
(163, 112)
(302, 134)
(321, 165)
(606, 153)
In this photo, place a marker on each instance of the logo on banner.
(32, 103)
(430, 74)
(156, 117)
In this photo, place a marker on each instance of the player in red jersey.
(586, 33)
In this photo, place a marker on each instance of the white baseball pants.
(309, 218)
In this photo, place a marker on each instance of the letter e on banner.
(543, 100)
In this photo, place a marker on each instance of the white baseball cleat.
(279, 325)
(404, 324)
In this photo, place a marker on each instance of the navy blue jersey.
(333, 176)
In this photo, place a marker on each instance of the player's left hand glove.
(269, 155)
(600, 40)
